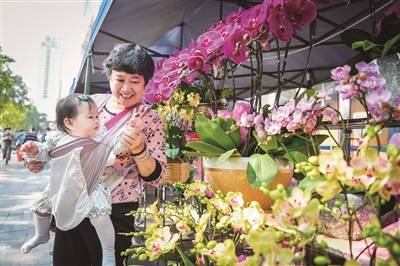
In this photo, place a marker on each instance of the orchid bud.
(246, 37)
(313, 160)
(322, 260)
(265, 46)
(211, 244)
(142, 257)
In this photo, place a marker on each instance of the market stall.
(272, 196)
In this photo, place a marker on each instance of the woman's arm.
(146, 144)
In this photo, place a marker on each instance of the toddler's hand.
(30, 148)
(137, 116)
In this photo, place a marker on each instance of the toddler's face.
(86, 123)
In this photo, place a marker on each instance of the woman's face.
(127, 89)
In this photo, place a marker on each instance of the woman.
(129, 69)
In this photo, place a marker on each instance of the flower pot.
(176, 171)
(232, 176)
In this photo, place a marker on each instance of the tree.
(32, 118)
(15, 106)
(12, 115)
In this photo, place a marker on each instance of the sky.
(25, 24)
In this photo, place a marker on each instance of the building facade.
(49, 89)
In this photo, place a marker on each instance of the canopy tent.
(163, 26)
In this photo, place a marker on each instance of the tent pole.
(88, 74)
(181, 39)
(221, 3)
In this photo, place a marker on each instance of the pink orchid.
(235, 46)
(197, 58)
(279, 24)
(272, 127)
(372, 82)
(305, 104)
(380, 95)
(171, 63)
(246, 120)
(224, 114)
(157, 92)
(331, 114)
(341, 73)
(367, 67)
(240, 108)
(310, 125)
(211, 40)
(300, 13)
(259, 121)
(225, 30)
(234, 16)
(348, 91)
(253, 19)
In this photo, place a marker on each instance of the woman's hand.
(133, 139)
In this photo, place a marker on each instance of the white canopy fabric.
(162, 26)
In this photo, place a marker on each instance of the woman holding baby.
(143, 160)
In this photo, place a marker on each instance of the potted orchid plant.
(177, 114)
(268, 144)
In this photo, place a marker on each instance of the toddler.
(76, 117)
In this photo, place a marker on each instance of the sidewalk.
(18, 189)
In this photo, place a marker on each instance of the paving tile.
(18, 190)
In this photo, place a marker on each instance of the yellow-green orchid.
(235, 199)
(160, 242)
(223, 254)
(201, 227)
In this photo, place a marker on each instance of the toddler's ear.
(68, 123)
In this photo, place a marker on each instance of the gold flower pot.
(176, 171)
(232, 176)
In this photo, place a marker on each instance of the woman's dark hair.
(130, 58)
(67, 107)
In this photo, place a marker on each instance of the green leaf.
(295, 156)
(225, 156)
(352, 35)
(211, 133)
(261, 169)
(185, 259)
(365, 45)
(389, 44)
(203, 127)
(234, 135)
(308, 184)
(221, 122)
(201, 146)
